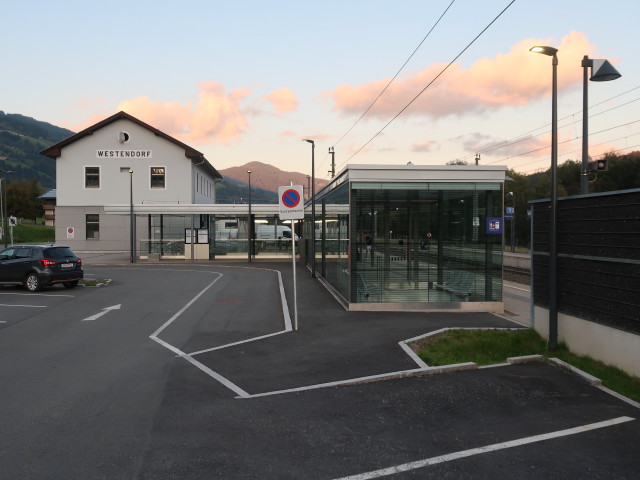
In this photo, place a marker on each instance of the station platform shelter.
(412, 238)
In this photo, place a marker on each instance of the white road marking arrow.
(103, 312)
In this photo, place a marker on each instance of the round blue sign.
(290, 198)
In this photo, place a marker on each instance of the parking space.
(16, 304)
(192, 371)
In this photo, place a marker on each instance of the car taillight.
(79, 261)
(48, 263)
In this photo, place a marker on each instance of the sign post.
(292, 208)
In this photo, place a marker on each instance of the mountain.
(233, 191)
(268, 177)
(21, 140)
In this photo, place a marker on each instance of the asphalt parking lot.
(192, 371)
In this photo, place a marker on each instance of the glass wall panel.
(420, 244)
(333, 250)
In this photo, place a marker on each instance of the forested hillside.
(21, 140)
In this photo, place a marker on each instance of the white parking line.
(517, 288)
(26, 306)
(186, 356)
(38, 294)
(489, 448)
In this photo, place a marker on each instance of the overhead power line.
(560, 143)
(526, 135)
(396, 75)
(431, 82)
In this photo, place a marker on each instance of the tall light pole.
(553, 218)
(132, 221)
(601, 71)
(3, 204)
(513, 222)
(313, 207)
(250, 226)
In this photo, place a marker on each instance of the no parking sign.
(291, 204)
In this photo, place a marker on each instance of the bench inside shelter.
(460, 283)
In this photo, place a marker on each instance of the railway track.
(518, 275)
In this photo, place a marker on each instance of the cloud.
(427, 146)
(216, 118)
(283, 99)
(511, 79)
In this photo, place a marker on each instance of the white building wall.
(114, 229)
(204, 190)
(609, 345)
(114, 184)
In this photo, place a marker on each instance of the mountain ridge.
(268, 177)
(22, 139)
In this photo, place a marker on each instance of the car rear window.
(58, 252)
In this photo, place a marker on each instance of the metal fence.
(598, 266)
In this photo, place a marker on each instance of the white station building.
(123, 162)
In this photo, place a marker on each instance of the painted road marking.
(38, 294)
(517, 288)
(489, 448)
(26, 306)
(100, 314)
(154, 336)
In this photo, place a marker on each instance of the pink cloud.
(514, 78)
(427, 146)
(216, 118)
(283, 99)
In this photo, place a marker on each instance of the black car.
(36, 266)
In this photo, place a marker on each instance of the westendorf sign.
(124, 153)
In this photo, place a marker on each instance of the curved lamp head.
(307, 140)
(550, 51)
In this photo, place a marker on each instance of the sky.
(248, 81)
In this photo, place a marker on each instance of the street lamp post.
(250, 226)
(513, 222)
(313, 208)
(601, 71)
(3, 205)
(553, 218)
(132, 221)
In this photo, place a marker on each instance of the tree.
(457, 162)
(623, 173)
(522, 193)
(22, 199)
(569, 175)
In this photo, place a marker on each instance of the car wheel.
(33, 283)
(72, 284)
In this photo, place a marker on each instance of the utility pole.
(477, 158)
(333, 162)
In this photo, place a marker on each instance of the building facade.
(122, 160)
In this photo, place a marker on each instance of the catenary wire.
(430, 83)
(526, 135)
(396, 75)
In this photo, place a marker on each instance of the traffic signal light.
(599, 165)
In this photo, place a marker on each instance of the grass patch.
(487, 347)
(33, 234)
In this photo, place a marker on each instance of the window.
(157, 177)
(93, 226)
(91, 177)
(23, 253)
